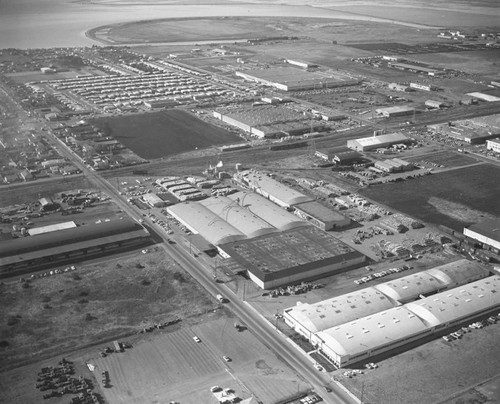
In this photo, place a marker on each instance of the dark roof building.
(57, 246)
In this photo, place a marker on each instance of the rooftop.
(320, 212)
(490, 229)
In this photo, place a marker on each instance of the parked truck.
(221, 298)
(118, 346)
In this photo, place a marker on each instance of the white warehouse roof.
(458, 272)
(372, 332)
(269, 187)
(339, 310)
(267, 210)
(382, 139)
(462, 302)
(237, 216)
(203, 221)
(409, 287)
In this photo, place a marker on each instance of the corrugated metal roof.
(490, 229)
(52, 227)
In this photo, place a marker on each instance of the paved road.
(264, 331)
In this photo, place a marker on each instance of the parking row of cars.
(476, 325)
(381, 274)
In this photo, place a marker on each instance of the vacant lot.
(165, 133)
(432, 372)
(172, 366)
(454, 198)
(445, 158)
(94, 303)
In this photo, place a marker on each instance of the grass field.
(446, 158)
(165, 133)
(94, 303)
(454, 198)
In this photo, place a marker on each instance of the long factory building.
(275, 246)
(356, 326)
(54, 247)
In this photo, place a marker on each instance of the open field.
(445, 158)
(96, 302)
(165, 133)
(454, 198)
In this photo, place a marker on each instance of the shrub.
(145, 282)
(89, 317)
(46, 299)
(4, 344)
(76, 277)
(84, 293)
(83, 301)
(12, 320)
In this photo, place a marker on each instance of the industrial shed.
(389, 112)
(52, 227)
(154, 200)
(409, 288)
(292, 256)
(308, 319)
(59, 246)
(375, 142)
(277, 217)
(458, 273)
(321, 216)
(237, 216)
(201, 220)
(487, 233)
(271, 189)
(460, 304)
(368, 336)
(320, 322)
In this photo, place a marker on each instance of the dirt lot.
(164, 365)
(95, 302)
(165, 133)
(428, 198)
(431, 372)
(174, 367)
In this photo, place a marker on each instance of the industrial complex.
(356, 326)
(290, 210)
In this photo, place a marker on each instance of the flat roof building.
(321, 216)
(487, 233)
(52, 227)
(272, 189)
(376, 142)
(389, 112)
(292, 256)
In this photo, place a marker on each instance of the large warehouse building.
(268, 121)
(275, 246)
(72, 243)
(377, 142)
(355, 326)
(293, 79)
(292, 256)
(271, 189)
(486, 233)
